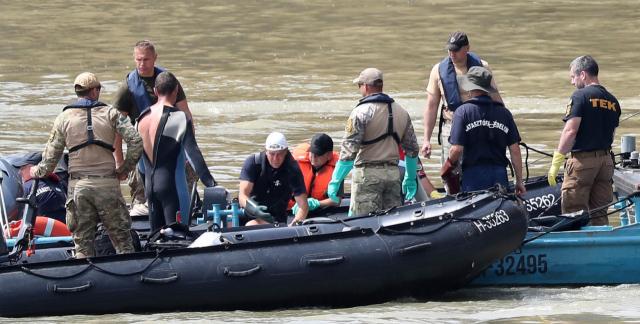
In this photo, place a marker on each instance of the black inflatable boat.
(416, 250)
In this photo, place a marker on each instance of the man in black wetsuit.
(267, 181)
(167, 136)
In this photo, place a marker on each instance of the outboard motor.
(628, 154)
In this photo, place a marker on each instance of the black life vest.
(274, 190)
(381, 97)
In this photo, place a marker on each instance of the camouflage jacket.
(374, 114)
(112, 122)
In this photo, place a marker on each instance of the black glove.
(258, 211)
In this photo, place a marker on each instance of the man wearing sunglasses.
(444, 86)
(374, 130)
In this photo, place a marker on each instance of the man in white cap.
(88, 128)
(267, 181)
(483, 129)
(374, 130)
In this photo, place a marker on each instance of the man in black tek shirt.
(591, 120)
(267, 181)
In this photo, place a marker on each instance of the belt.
(377, 165)
(589, 154)
(87, 177)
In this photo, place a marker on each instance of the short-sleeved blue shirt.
(485, 128)
(600, 113)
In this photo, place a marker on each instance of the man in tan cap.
(374, 130)
(88, 128)
(444, 86)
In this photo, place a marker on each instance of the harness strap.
(390, 131)
(91, 137)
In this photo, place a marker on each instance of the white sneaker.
(139, 210)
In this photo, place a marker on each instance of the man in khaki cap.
(444, 86)
(88, 128)
(374, 130)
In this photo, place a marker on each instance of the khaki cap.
(370, 76)
(86, 81)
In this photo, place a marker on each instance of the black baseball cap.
(29, 158)
(321, 144)
(456, 41)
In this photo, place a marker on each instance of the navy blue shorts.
(484, 177)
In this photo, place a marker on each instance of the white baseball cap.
(275, 142)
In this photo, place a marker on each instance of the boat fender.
(45, 226)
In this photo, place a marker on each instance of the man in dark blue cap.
(51, 197)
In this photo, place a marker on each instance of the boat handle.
(173, 277)
(322, 262)
(58, 289)
(239, 237)
(245, 273)
(414, 248)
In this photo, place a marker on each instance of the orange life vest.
(320, 180)
(44, 226)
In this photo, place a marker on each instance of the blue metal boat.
(590, 256)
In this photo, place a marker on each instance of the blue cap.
(29, 158)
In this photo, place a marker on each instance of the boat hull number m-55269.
(491, 221)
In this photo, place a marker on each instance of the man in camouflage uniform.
(88, 128)
(374, 130)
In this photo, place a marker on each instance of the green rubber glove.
(558, 160)
(258, 211)
(313, 205)
(339, 173)
(409, 184)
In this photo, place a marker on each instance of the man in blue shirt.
(50, 196)
(483, 129)
(267, 181)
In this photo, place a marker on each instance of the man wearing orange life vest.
(317, 161)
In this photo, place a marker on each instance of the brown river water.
(252, 67)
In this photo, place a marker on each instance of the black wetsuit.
(165, 178)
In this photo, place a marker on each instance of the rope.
(90, 266)
(584, 214)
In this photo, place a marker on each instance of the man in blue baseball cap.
(51, 198)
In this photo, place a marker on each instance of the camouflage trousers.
(375, 187)
(89, 204)
(446, 148)
(136, 184)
